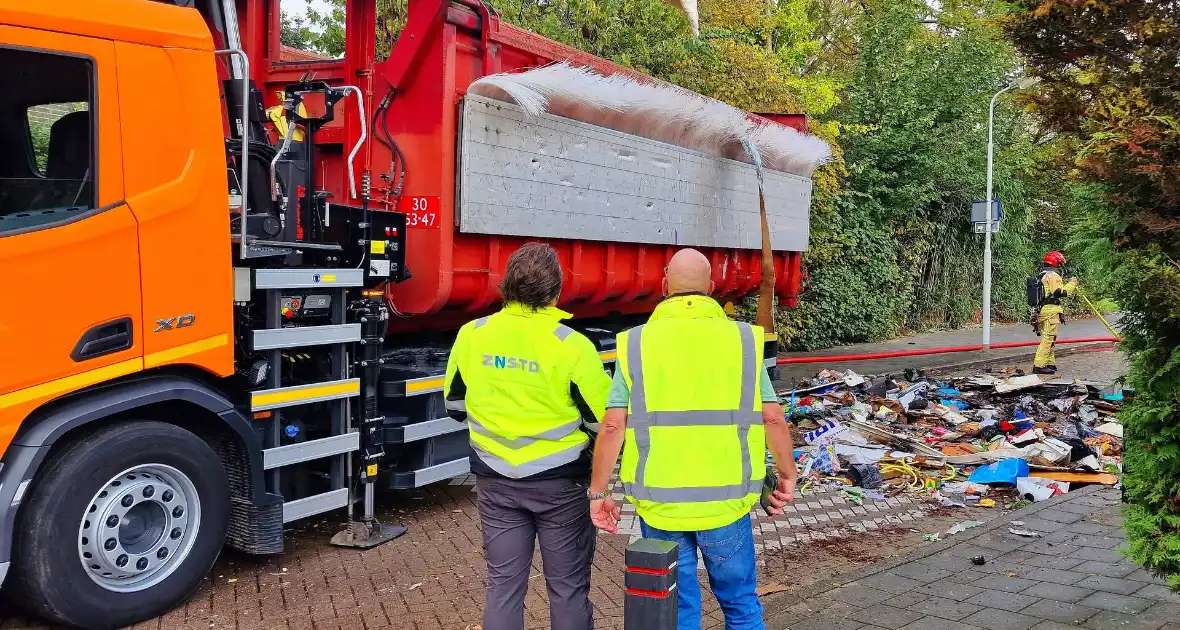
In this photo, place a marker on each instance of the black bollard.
(650, 603)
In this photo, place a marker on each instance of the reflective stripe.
(455, 405)
(693, 495)
(750, 366)
(593, 427)
(695, 419)
(563, 331)
(552, 435)
(642, 420)
(548, 462)
(481, 321)
(635, 370)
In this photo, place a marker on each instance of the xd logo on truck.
(172, 323)
(510, 363)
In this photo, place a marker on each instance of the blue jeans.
(729, 560)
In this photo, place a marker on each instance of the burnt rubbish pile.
(984, 440)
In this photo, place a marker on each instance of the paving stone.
(1102, 555)
(1053, 549)
(999, 565)
(1059, 592)
(1004, 583)
(1042, 525)
(859, 595)
(1158, 592)
(998, 543)
(1075, 507)
(967, 550)
(1085, 527)
(1010, 602)
(1116, 602)
(1053, 576)
(1163, 611)
(1111, 585)
(945, 608)
(1097, 542)
(1053, 625)
(816, 622)
(947, 562)
(1143, 576)
(887, 616)
(1060, 516)
(1001, 620)
(920, 572)
(891, 583)
(1109, 569)
(1060, 611)
(934, 623)
(1030, 559)
(905, 600)
(951, 590)
(1108, 620)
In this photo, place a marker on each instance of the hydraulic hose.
(835, 358)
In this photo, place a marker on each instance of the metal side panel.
(315, 504)
(440, 472)
(302, 336)
(307, 451)
(307, 278)
(303, 394)
(423, 430)
(552, 177)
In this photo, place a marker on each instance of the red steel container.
(444, 48)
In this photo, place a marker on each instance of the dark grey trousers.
(514, 514)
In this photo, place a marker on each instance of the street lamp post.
(987, 233)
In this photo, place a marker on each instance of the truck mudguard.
(45, 426)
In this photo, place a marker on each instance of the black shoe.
(1048, 369)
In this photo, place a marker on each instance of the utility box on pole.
(650, 602)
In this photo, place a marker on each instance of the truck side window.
(47, 138)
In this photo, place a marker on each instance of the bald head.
(689, 272)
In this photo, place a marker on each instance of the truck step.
(307, 451)
(302, 336)
(315, 504)
(307, 278)
(422, 430)
(264, 399)
(429, 475)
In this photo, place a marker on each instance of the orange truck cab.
(259, 314)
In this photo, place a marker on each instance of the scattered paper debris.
(962, 527)
(1024, 532)
(770, 589)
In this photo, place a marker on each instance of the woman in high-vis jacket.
(532, 391)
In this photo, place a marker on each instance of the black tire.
(48, 577)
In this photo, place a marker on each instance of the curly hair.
(533, 277)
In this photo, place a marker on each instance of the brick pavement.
(432, 578)
(1073, 576)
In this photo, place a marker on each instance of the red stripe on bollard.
(646, 571)
(643, 593)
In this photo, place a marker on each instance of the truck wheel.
(120, 526)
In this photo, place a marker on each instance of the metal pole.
(987, 233)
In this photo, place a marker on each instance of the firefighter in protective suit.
(1048, 315)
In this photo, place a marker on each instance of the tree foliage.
(1112, 90)
(314, 31)
(892, 250)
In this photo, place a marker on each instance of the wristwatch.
(595, 496)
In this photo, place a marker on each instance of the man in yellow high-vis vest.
(692, 410)
(532, 391)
